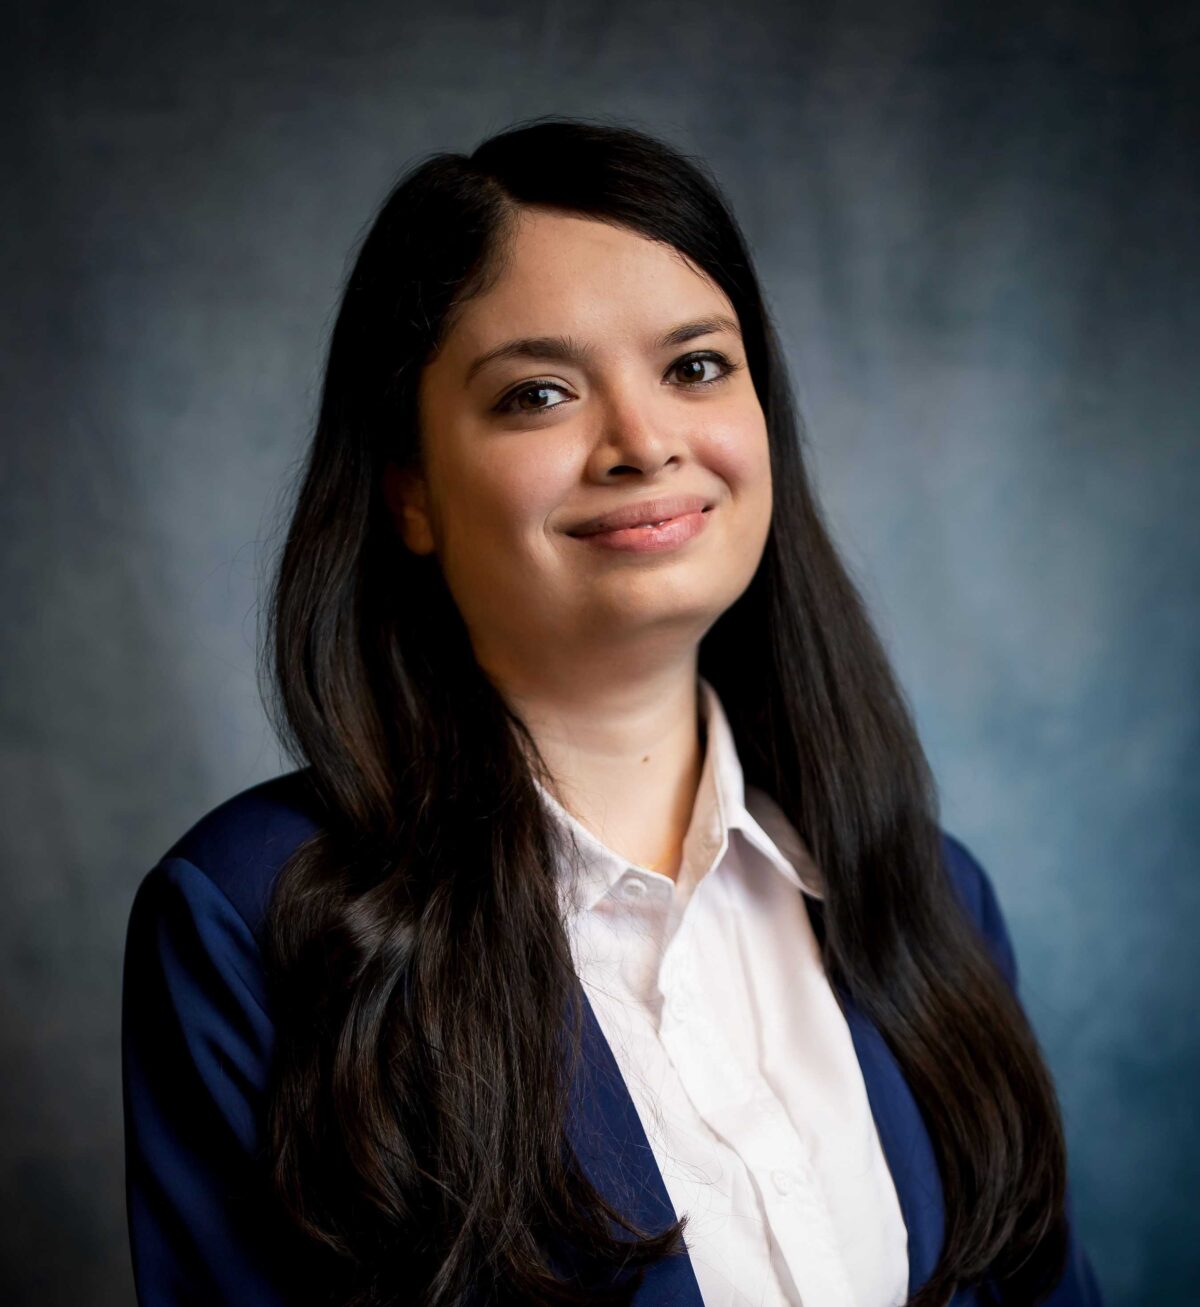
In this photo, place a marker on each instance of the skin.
(596, 650)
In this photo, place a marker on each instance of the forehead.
(576, 275)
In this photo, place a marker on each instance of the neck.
(626, 758)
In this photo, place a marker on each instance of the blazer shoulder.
(978, 896)
(966, 875)
(243, 843)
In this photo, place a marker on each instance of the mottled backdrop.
(977, 232)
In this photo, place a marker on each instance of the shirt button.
(782, 1181)
(634, 887)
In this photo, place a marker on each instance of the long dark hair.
(421, 969)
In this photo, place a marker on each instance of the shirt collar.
(724, 803)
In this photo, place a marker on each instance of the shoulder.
(966, 875)
(195, 934)
(978, 897)
(240, 846)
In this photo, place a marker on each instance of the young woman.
(604, 945)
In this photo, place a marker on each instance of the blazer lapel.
(902, 1134)
(906, 1144)
(616, 1156)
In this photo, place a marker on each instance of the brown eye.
(511, 403)
(691, 369)
(539, 393)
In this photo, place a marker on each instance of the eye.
(510, 404)
(697, 360)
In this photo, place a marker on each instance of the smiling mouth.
(639, 526)
(649, 526)
(662, 536)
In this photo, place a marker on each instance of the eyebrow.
(565, 349)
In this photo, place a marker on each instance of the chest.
(741, 1071)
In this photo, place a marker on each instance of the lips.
(646, 513)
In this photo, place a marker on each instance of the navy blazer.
(196, 1043)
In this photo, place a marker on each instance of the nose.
(638, 433)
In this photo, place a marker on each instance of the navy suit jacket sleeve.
(196, 1041)
(1078, 1286)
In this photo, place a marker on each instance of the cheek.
(507, 498)
(742, 460)
(739, 453)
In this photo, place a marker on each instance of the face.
(522, 445)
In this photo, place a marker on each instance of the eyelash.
(507, 405)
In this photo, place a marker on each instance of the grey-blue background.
(977, 234)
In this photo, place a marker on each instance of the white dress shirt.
(711, 992)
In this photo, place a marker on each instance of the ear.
(407, 498)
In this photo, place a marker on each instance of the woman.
(604, 946)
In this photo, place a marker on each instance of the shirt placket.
(740, 1107)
